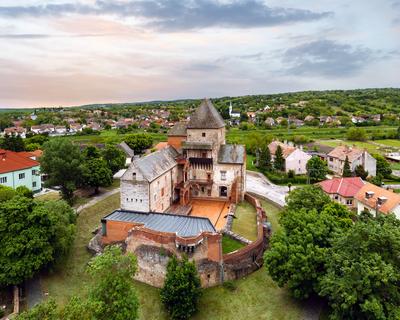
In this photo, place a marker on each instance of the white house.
(295, 158)
(337, 158)
(377, 200)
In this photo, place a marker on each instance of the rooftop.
(13, 161)
(346, 187)
(197, 145)
(342, 151)
(393, 199)
(286, 149)
(206, 117)
(124, 147)
(179, 129)
(232, 153)
(183, 226)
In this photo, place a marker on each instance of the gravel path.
(259, 185)
(96, 199)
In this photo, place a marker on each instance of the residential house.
(252, 116)
(20, 131)
(269, 122)
(377, 200)
(19, 169)
(309, 118)
(295, 158)
(60, 130)
(343, 190)
(356, 156)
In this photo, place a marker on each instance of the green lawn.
(272, 213)
(389, 142)
(70, 278)
(245, 222)
(229, 245)
(49, 196)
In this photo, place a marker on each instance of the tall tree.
(96, 174)
(279, 161)
(264, 160)
(346, 168)
(308, 197)
(360, 172)
(32, 235)
(91, 152)
(113, 294)
(114, 157)
(317, 169)
(62, 162)
(182, 289)
(363, 271)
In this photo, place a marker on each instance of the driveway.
(259, 185)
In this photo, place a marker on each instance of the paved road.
(258, 184)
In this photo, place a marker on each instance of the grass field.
(272, 213)
(245, 222)
(389, 142)
(229, 245)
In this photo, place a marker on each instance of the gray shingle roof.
(206, 117)
(232, 153)
(193, 145)
(179, 129)
(183, 226)
(125, 148)
(155, 164)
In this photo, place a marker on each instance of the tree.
(363, 271)
(346, 168)
(398, 133)
(360, 172)
(113, 294)
(114, 157)
(317, 169)
(42, 311)
(91, 152)
(356, 134)
(32, 235)
(62, 162)
(308, 197)
(24, 191)
(13, 142)
(96, 174)
(298, 251)
(382, 166)
(264, 160)
(279, 161)
(182, 290)
(138, 142)
(6, 193)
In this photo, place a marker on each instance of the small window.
(223, 175)
(33, 172)
(3, 180)
(21, 176)
(162, 192)
(209, 192)
(349, 202)
(134, 175)
(34, 184)
(203, 134)
(202, 189)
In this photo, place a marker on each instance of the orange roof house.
(342, 190)
(376, 199)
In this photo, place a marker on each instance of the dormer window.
(369, 194)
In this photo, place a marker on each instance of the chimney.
(369, 194)
(382, 200)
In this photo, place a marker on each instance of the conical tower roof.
(206, 117)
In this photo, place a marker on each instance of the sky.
(73, 52)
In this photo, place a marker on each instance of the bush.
(229, 285)
(283, 178)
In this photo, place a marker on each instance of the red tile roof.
(346, 187)
(12, 161)
(392, 199)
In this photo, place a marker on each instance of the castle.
(197, 163)
(180, 199)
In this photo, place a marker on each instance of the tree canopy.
(62, 162)
(346, 168)
(138, 142)
(279, 161)
(317, 169)
(32, 235)
(114, 157)
(96, 174)
(182, 289)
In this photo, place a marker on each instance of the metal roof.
(231, 153)
(154, 164)
(183, 226)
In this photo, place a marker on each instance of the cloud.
(327, 58)
(174, 15)
(32, 36)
